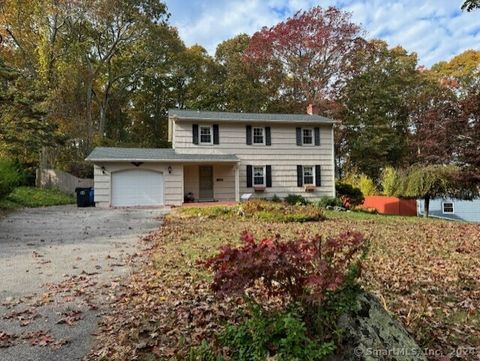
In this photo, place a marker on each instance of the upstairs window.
(307, 136)
(205, 134)
(258, 176)
(258, 136)
(308, 177)
(447, 207)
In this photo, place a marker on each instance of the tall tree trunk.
(103, 109)
(103, 118)
(89, 112)
(427, 207)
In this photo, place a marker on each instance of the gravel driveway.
(58, 266)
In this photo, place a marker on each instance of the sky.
(435, 29)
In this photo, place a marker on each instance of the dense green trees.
(24, 126)
(376, 108)
(241, 87)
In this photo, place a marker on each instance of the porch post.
(237, 183)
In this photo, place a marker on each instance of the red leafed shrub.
(303, 270)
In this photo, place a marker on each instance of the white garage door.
(137, 188)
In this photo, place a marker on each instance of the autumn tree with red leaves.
(435, 124)
(310, 55)
(469, 140)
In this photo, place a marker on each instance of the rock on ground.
(372, 334)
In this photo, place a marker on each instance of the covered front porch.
(211, 182)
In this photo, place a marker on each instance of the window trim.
(453, 207)
(313, 137)
(264, 172)
(263, 136)
(313, 175)
(200, 134)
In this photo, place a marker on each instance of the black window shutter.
(268, 136)
(216, 134)
(299, 136)
(249, 134)
(318, 176)
(249, 176)
(268, 169)
(195, 133)
(317, 136)
(299, 176)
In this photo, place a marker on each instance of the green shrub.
(261, 209)
(325, 202)
(276, 199)
(280, 212)
(323, 319)
(367, 186)
(203, 353)
(389, 181)
(296, 199)
(10, 177)
(279, 334)
(349, 195)
(361, 181)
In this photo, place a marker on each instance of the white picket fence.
(53, 178)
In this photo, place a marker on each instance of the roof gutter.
(176, 117)
(163, 160)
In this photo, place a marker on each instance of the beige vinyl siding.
(223, 181)
(173, 182)
(283, 155)
(191, 183)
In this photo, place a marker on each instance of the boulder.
(370, 333)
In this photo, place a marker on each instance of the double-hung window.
(258, 135)
(258, 176)
(307, 136)
(206, 134)
(308, 175)
(447, 208)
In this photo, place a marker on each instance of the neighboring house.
(449, 208)
(218, 156)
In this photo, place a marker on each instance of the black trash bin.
(84, 197)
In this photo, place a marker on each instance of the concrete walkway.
(57, 268)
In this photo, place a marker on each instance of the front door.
(205, 182)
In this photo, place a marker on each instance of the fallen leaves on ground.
(426, 272)
(6, 339)
(25, 317)
(70, 318)
(39, 338)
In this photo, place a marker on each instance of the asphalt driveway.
(58, 266)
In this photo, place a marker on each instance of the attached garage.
(137, 187)
(129, 177)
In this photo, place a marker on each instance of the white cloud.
(435, 29)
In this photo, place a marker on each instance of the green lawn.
(31, 197)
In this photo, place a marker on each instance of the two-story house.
(219, 156)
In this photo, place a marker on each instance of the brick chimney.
(312, 109)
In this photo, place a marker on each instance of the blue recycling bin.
(85, 197)
(91, 197)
